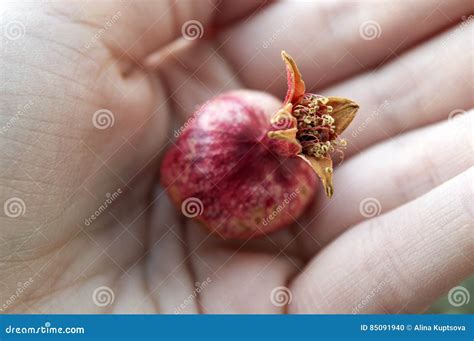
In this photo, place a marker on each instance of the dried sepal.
(289, 145)
(296, 87)
(286, 134)
(311, 124)
(284, 130)
(343, 112)
(324, 169)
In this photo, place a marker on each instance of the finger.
(241, 278)
(324, 38)
(166, 267)
(229, 11)
(420, 87)
(390, 174)
(399, 262)
(134, 29)
(195, 75)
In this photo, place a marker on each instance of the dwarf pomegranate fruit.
(246, 164)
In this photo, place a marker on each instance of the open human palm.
(92, 93)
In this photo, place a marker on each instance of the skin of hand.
(409, 156)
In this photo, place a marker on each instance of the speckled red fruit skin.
(249, 184)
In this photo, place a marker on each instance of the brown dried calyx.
(316, 123)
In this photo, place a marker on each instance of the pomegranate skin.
(246, 184)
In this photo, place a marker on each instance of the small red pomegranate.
(245, 168)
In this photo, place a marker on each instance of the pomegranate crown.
(312, 124)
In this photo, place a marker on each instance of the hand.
(92, 92)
